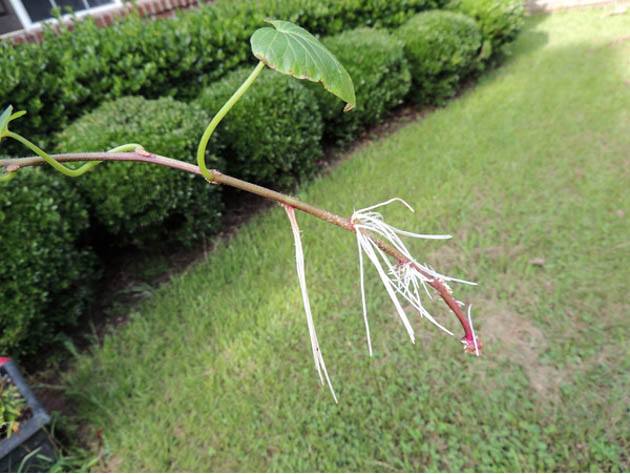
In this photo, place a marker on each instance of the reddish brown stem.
(442, 290)
(141, 156)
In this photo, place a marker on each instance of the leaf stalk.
(207, 134)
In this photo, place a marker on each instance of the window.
(31, 12)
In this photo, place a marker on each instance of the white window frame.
(27, 24)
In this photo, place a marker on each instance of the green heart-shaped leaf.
(292, 50)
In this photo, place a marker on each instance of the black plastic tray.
(30, 449)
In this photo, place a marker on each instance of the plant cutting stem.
(141, 156)
(205, 138)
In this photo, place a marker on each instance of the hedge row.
(71, 73)
(272, 136)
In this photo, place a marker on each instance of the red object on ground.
(4, 360)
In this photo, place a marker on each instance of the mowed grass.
(530, 171)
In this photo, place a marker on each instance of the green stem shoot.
(205, 138)
(72, 172)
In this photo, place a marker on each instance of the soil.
(527, 343)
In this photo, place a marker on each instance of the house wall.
(146, 8)
(8, 19)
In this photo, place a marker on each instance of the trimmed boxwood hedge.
(71, 73)
(330, 17)
(375, 60)
(441, 48)
(273, 134)
(44, 276)
(499, 21)
(141, 204)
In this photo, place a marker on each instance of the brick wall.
(146, 8)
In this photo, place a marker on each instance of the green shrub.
(140, 204)
(71, 73)
(273, 134)
(441, 48)
(375, 60)
(329, 17)
(499, 21)
(44, 276)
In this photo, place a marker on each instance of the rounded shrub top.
(137, 203)
(499, 21)
(41, 219)
(272, 135)
(376, 62)
(441, 47)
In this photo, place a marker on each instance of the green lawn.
(215, 372)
